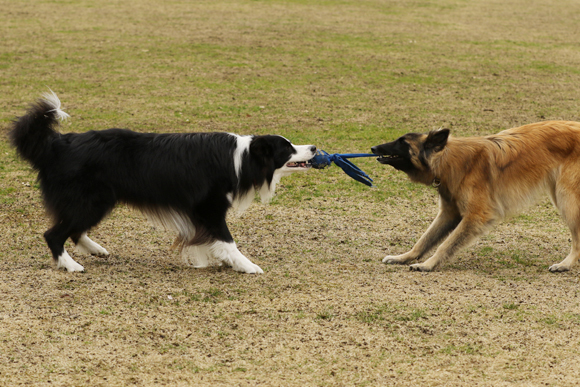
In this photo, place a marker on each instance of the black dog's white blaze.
(183, 182)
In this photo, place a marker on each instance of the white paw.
(98, 250)
(390, 259)
(247, 267)
(395, 259)
(558, 268)
(86, 246)
(75, 267)
(66, 262)
(228, 253)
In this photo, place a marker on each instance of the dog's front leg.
(444, 223)
(228, 253)
(466, 232)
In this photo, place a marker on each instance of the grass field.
(344, 75)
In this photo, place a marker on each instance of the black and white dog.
(185, 182)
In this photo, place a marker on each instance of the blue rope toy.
(323, 160)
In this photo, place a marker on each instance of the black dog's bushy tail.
(31, 134)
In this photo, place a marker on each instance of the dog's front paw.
(258, 270)
(391, 260)
(248, 267)
(420, 267)
(558, 268)
(397, 259)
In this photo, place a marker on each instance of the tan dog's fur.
(482, 179)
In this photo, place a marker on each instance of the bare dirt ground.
(345, 76)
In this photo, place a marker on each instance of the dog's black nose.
(374, 149)
(313, 149)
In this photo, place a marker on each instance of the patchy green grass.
(341, 74)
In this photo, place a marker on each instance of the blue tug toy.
(324, 159)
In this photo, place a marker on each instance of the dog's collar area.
(436, 182)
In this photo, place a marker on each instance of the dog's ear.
(436, 140)
(261, 148)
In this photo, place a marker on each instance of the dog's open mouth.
(299, 164)
(387, 158)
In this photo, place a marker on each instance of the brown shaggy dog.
(482, 179)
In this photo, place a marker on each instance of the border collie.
(185, 182)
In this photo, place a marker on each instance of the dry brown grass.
(344, 75)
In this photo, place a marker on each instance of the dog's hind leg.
(74, 215)
(55, 238)
(445, 222)
(85, 245)
(572, 258)
(567, 199)
(66, 262)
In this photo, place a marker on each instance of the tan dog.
(482, 179)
